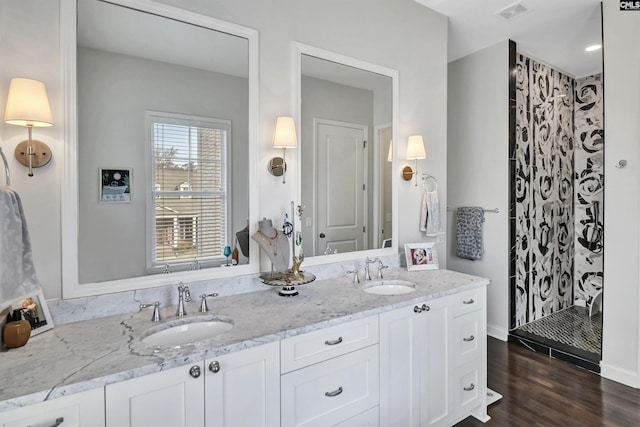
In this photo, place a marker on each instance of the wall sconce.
(284, 137)
(28, 105)
(415, 151)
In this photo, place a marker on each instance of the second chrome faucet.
(183, 296)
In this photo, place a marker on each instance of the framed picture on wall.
(115, 185)
(421, 256)
(34, 310)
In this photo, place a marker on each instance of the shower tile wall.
(589, 184)
(544, 218)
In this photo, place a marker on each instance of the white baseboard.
(622, 376)
(497, 333)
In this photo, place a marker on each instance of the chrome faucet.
(381, 266)
(367, 275)
(203, 302)
(183, 295)
(356, 278)
(156, 310)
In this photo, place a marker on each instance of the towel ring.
(427, 178)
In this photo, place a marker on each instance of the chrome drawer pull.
(58, 421)
(471, 338)
(471, 387)
(334, 393)
(468, 301)
(334, 342)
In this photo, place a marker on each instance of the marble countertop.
(93, 353)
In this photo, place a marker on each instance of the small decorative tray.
(287, 281)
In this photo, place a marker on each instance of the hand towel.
(17, 271)
(469, 232)
(430, 214)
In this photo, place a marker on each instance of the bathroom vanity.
(333, 356)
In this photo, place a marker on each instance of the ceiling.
(553, 31)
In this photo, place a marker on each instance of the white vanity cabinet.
(433, 361)
(415, 363)
(331, 376)
(234, 390)
(84, 409)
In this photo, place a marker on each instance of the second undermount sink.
(185, 331)
(389, 287)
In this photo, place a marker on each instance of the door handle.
(322, 235)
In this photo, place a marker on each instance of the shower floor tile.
(570, 330)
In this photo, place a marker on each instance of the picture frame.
(35, 311)
(115, 185)
(421, 256)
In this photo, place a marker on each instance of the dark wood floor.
(541, 391)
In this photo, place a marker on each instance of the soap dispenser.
(17, 331)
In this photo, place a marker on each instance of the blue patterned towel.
(469, 233)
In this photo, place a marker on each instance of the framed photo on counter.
(421, 256)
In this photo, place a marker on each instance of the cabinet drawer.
(313, 347)
(81, 409)
(468, 387)
(468, 337)
(469, 301)
(330, 392)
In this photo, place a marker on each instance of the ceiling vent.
(513, 11)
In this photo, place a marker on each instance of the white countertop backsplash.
(87, 354)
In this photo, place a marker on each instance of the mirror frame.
(304, 49)
(71, 288)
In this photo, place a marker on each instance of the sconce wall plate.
(41, 153)
(407, 173)
(275, 166)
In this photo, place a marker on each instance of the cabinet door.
(243, 388)
(436, 367)
(173, 398)
(415, 379)
(80, 409)
(401, 349)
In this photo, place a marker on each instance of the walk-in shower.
(556, 211)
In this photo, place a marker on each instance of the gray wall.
(114, 91)
(477, 168)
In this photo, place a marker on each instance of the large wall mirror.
(166, 129)
(346, 131)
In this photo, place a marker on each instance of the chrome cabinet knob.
(417, 309)
(425, 307)
(194, 371)
(214, 366)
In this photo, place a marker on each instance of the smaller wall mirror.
(346, 127)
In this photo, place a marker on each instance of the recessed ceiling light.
(593, 47)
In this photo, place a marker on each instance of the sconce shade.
(390, 154)
(27, 104)
(415, 148)
(285, 134)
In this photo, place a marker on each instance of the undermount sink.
(185, 331)
(389, 287)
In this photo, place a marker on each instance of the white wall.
(621, 194)
(478, 168)
(398, 34)
(29, 47)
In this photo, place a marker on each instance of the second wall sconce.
(415, 151)
(28, 105)
(284, 137)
